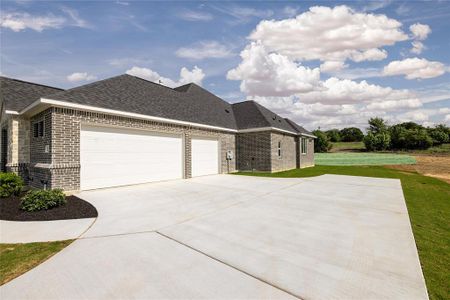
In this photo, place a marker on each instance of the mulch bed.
(75, 208)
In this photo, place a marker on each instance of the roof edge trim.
(59, 103)
(11, 112)
(266, 129)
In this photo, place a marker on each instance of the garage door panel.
(113, 157)
(205, 157)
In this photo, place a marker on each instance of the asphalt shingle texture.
(18, 94)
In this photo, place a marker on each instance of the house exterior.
(126, 130)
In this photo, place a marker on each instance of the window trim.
(279, 149)
(39, 129)
(304, 146)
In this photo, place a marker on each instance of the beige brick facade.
(61, 166)
(288, 158)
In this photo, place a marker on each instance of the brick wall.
(288, 158)
(253, 151)
(307, 160)
(62, 165)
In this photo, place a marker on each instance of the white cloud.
(19, 21)
(395, 104)
(76, 19)
(332, 66)
(337, 91)
(290, 11)
(417, 47)
(414, 68)
(447, 119)
(196, 75)
(205, 49)
(271, 74)
(80, 76)
(330, 34)
(420, 31)
(190, 15)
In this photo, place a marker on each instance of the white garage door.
(205, 157)
(112, 157)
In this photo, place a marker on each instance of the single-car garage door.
(112, 157)
(205, 157)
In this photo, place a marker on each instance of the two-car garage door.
(113, 157)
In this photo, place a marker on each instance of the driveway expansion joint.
(230, 266)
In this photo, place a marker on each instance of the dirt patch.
(75, 208)
(437, 166)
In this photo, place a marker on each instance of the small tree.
(377, 142)
(322, 143)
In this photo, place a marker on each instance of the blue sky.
(292, 62)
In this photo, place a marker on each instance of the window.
(279, 149)
(304, 146)
(38, 129)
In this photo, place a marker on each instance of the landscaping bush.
(409, 136)
(322, 143)
(351, 134)
(377, 142)
(10, 184)
(42, 199)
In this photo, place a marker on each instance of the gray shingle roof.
(298, 128)
(18, 94)
(250, 114)
(128, 93)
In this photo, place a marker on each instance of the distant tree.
(440, 134)
(351, 134)
(333, 135)
(377, 125)
(322, 143)
(410, 136)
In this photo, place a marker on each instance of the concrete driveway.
(327, 237)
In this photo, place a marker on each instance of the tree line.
(380, 136)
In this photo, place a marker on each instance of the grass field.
(16, 259)
(362, 158)
(428, 202)
(348, 147)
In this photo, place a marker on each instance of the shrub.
(10, 184)
(322, 143)
(42, 199)
(410, 136)
(377, 142)
(377, 125)
(351, 134)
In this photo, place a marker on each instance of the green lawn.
(362, 158)
(428, 202)
(16, 259)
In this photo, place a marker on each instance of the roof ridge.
(33, 83)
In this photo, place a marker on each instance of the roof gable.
(17, 94)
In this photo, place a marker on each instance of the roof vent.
(279, 121)
(227, 111)
(274, 118)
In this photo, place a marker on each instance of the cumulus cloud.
(420, 31)
(332, 66)
(18, 21)
(196, 75)
(395, 104)
(204, 49)
(272, 74)
(80, 76)
(337, 91)
(414, 68)
(330, 34)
